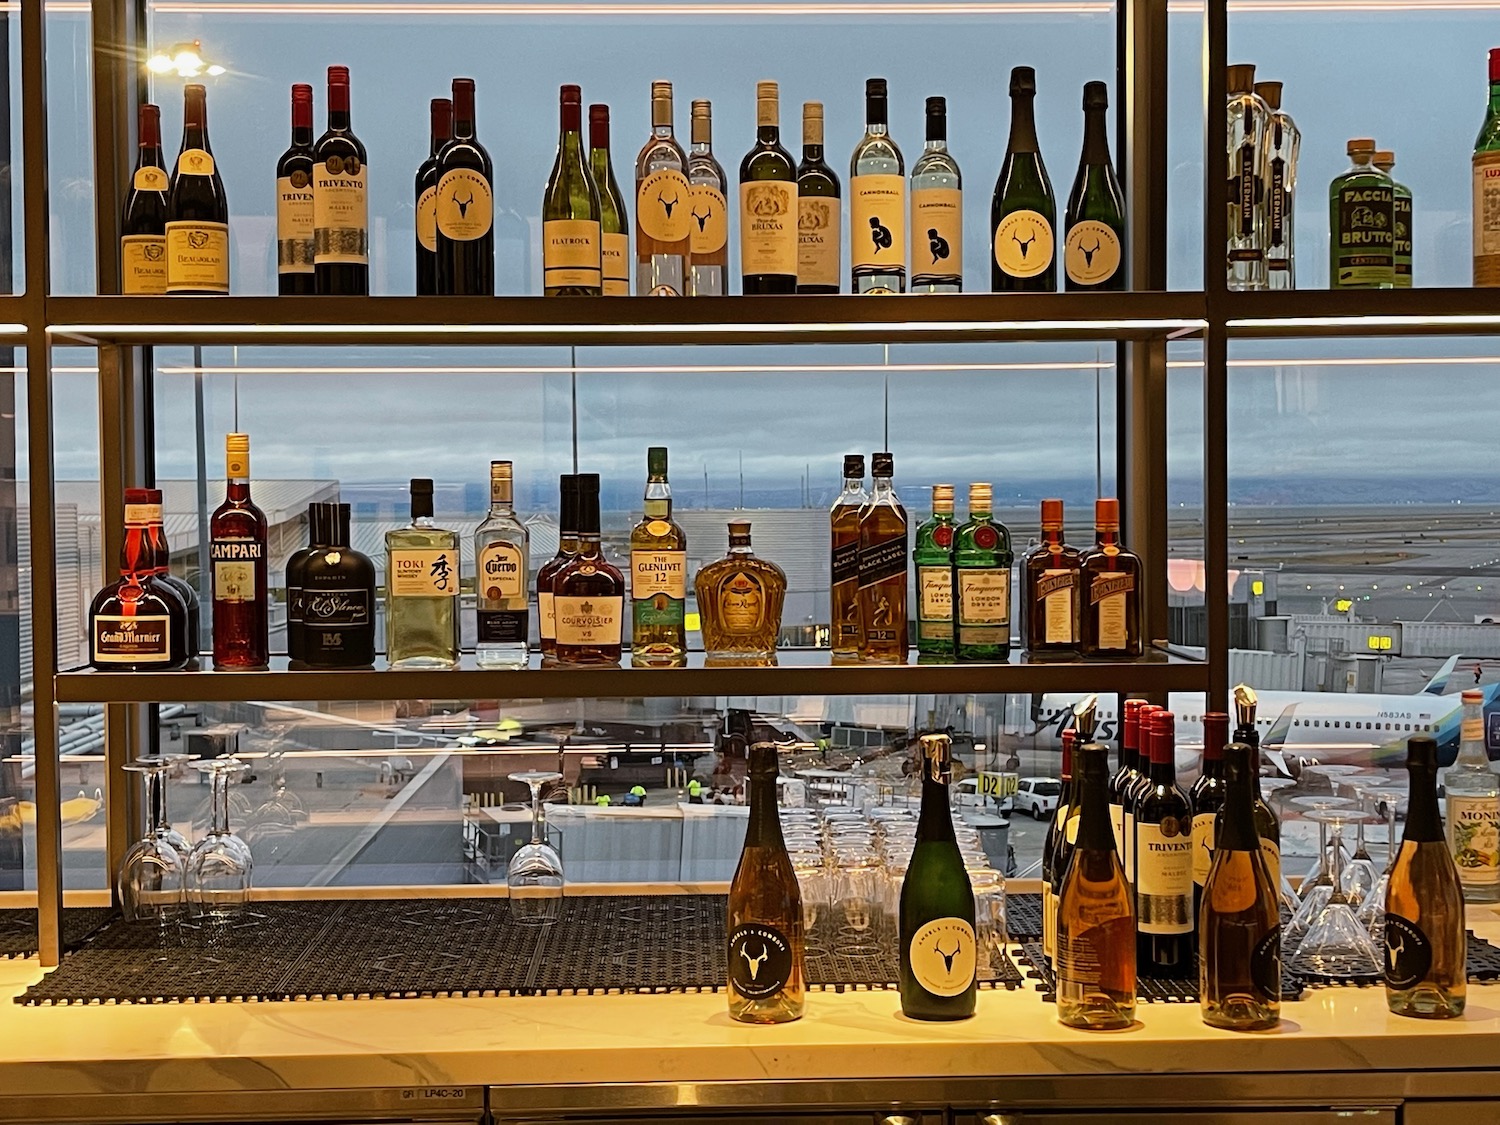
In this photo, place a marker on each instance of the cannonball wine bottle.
(143, 225)
(197, 210)
(341, 202)
(294, 202)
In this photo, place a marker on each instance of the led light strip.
(759, 8)
(1455, 320)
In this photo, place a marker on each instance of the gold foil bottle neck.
(661, 104)
(812, 123)
(703, 123)
(767, 103)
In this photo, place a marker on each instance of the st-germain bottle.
(1164, 863)
(709, 274)
(1207, 798)
(1486, 173)
(663, 224)
(1425, 942)
(1095, 963)
(588, 594)
(572, 261)
(341, 200)
(296, 576)
(1266, 823)
(237, 553)
(938, 955)
(1282, 148)
(1361, 210)
(1239, 924)
(982, 560)
(1051, 581)
(197, 225)
(937, 211)
(421, 588)
(546, 577)
(658, 574)
(614, 219)
(1473, 793)
(1093, 249)
(843, 596)
(502, 556)
(768, 204)
(1112, 628)
(932, 555)
(441, 132)
(137, 623)
(338, 600)
(1023, 212)
(162, 560)
(877, 202)
(1248, 119)
(1401, 230)
(819, 219)
(143, 224)
(465, 205)
(882, 570)
(767, 976)
(294, 202)
(1052, 845)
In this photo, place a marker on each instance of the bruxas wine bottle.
(338, 600)
(466, 206)
(1093, 250)
(1164, 864)
(937, 211)
(143, 224)
(572, 261)
(614, 220)
(1239, 924)
(768, 204)
(663, 225)
(237, 553)
(441, 132)
(709, 275)
(819, 220)
(1361, 213)
(197, 225)
(1023, 212)
(294, 202)
(767, 980)
(877, 202)
(938, 956)
(341, 200)
(1425, 941)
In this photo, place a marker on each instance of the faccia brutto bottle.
(1361, 215)
(1401, 217)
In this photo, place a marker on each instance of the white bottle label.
(427, 219)
(341, 211)
(944, 956)
(877, 223)
(424, 573)
(768, 227)
(710, 215)
(1091, 253)
(1164, 877)
(143, 265)
(502, 571)
(142, 515)
(1474, 834)
(570, 254)
(937, 234)
(294, 223)
(818, 222)
(465, 205)
(1024, 243)
(1203, 846)
(591, 622)
(1487, 218)
(197, 257)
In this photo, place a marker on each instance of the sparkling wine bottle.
(143, 225)
(1093, 249)
(1267, 826)
(1023, 212)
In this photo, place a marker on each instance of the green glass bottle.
(1361, 218)
(614, 220)
(1093, 251)
(938, 954)
(932, 555)
(1023, 212)
(768, 204)
(572, 251)
(981, 582)
(1487, 185)
(1385, 160)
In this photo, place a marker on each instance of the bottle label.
(142, 515)
(1472, 730)
(424, 573)
(1474, 830)
(503, 626)
(195, 162)
(1070, 825)
(590, 622)
(882, 560)
(742, 604)
(1270, 851)
(877, 224)
(1164, 877)
(1024, 244)
(1049, 918)
(1487, 218)
(1203, 847)
(846, 563)
(1117, 822)
(658, 572)
(1265, 965)
(235, 562)
(944, 956)
(760, 960)
(818, 222)
(294, 223)
(1109, 597)
(502, 571)
(1276, 209)
(1245, 181)
(1057, 593)
(662, 206)
(150, 178)
(466, 206)
(143, 265)
(341, 211)
(768, 227)
(1363, 254)
(1128, 854)
(1401, 212)
(937, 235)
(1091, 253)
(1080, 960)
(615, 257)
(546, 616)
(710, 215)
(1408, 953)
(197, 257)
(427, 219)
(935, 593)
(570, 253)
(335, 608)
(131, 640)
(983, 606)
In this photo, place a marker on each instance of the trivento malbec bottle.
(1093, 249)
(1279, 174)
(441, 111)
(1247, 121)
(1401, 231)
(819, 220)
(843, 522)
(1023, 212)
(877, 202)
(1361, 210)
(197, 225)
(1207, 797)
(572, 262)
(709, 274)
(1136, 788)
(1239, 924)
(614, 219)
(1425, 942)
(937, 211)
(663, 224)
(1050, 844)
(937, 951)
(237, 553)
(768, 204)
(1096, 971)
(465, 205)
(294, 201)
(932, 555)
(1125, 773)
(1164, 864)
(1266, 823)
(1473, 794)
(341, 200)
(1487, 185)
(767, 982)
(143, 224)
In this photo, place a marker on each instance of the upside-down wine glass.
(220, 866)
(152, 878)
(1336, 944)
(535, 875)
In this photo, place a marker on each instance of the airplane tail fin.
(1439, 682)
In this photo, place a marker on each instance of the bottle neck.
(586, 544)
(1424, 824)
(1052, 536)
(302, 136)
(151, 156)
(764, 829)
(463, 117)
(1471, 747)
(599, 137)
(853, 486)
(237, 490)
(439, 139)
(658, 498)
(935, 822)
(501, 506)
(137, 556)
(1022, 124)
(662, 132)
(1236, 831)
(338, 119)
(1163, 765)
(195, 123)
(877, 119)
(1107, 536)
(768, 135)
(884, 489)
(1495, 97)
(1095, 137)
(937, 132)
(1095, 828)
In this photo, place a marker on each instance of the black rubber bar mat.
(18, 928)
(1023, 918)
(1148, 990)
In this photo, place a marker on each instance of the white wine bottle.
(877, 202)
(572, 258)
(663, 205)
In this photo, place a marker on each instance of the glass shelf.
(1368, 312)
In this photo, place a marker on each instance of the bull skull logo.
(754, 962)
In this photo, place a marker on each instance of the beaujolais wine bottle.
(294, 201)
(465, 206)
(143, 226)
(426, 186)
(197, 210)
(341, 202)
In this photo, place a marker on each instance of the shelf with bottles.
(1364, 312)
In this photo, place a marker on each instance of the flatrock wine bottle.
(614, 219)
(572, 259)
(197, 210)
(294, 201)
(1023, 212)
(143, 226)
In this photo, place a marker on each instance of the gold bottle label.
(571, 254)
(1091, 253)
(1024, 244)
(198, 257)
(710, 215)
(768, 227)
(1487, 218)
(143, 265)
(662, 203)
(295, 224)
(1164, 877)
(937, 234)
(590, 622)
(615, 257)
(424, 573)
(877, 223)
(341, 211)
(818, 222)
(943, 956)
(742, 604)
(465, 205)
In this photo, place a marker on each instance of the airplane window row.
(1419, 727)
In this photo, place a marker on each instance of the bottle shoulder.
(338, 142)
(237, 515)
(936, 169)
(416, 538)
(660, 154)
(816, 178)
(588, 575)
(704, 169)
(767, 162)
(464, 156)
(876, 155)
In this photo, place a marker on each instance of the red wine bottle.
(1164, 863)
(237, 553)
(1207, 798)
(197, 210)
(341, 203)
(143, 226)
(465, 205)
(294, 201)
(426, 192)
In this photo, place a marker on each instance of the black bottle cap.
(937, 119)
(1022, 81)
(875, 101)
(421, 497)
(339, 535)
(875, 88)
(1095, 95)
(1422, 752)
(765, 759)
(588, 503)
(567, 512)
(854, 466)
(315, 525)
(882, 465)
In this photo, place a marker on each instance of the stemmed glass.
(1286, 895)
(1336, 944)
(535, 875)
(1319, 875)
(219, 867)
(1360, 873)
(1372, 910)
(152, 879)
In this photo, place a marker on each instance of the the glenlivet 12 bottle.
(143, 224)
(614, 219)
(1023, 212)
(1093, 249)
(709, 276)
(1425, 941)
(465, 206)
(197, 210)
(1164, 863)
(937, 211)
(341, 202)
(767, 982)
(938, 955)
(237, 553)
(294, 201)
(663, 222)
(572, 265)
(426, 187)
(877, 202)
(1207, 797)
(819, 220)
(768, 204)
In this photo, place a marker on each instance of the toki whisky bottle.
(1473, 794)
(1248, 121)
(739, 601)
(981, 581)
(882, 570)
(658, 575)
(421, 588)
(1401, 220)
(1051, 581)
(1111, 595)
(843, 598)
(502, 558)
(1283, 144)
(338, 599)
(237, 552)
(138, 623)
(932, 555)
(588, 594)
(1361, 217)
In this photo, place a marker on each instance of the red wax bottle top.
(598, 126)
